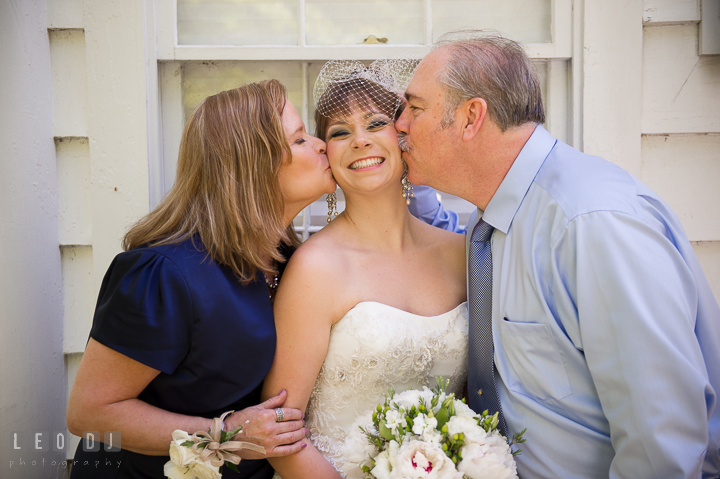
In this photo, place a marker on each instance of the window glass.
(237, 22)
(526, 21)
(202, 79)
(350, 22)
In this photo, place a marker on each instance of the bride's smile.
(363, 150)
(366, 163)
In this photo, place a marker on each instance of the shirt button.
(479, 392)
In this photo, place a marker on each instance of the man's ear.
(474, 111)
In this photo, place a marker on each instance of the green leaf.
(384, 431)
(232, 467)
(188, 444)
(442, 417)
(228, 435)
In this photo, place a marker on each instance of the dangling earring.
(407, 188)
(332, 206)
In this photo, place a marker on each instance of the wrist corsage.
(204, 453)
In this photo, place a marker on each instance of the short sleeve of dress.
(144, 310)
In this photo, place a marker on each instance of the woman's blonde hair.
(227, 191)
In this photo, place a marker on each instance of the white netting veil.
(343, 84)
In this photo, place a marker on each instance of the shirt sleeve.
(426, 207)
(144, 310)
(636, 302)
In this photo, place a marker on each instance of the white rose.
(356, 449)
(501, 448)
(180, 436)
(393, 451)
(469, 427)
(407, 399)
(172, 471)
(482, 461)
(181, 455)
(462, 409)
(417, 459)
(426, 395)
(204, 470)
(382, 467)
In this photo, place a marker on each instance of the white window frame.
(171, 55)
(168, 49)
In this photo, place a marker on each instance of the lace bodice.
(375, 347)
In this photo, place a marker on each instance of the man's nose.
(401, 125)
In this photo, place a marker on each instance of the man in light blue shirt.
(606, 332)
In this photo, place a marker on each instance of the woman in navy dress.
(183, 329)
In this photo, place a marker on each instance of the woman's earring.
(407, 189)
(332, 206)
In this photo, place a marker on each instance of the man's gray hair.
(486, 65)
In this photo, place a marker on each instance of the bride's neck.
(379, 219)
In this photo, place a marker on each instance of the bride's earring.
(407, 188)
(332, 206)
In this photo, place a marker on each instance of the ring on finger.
(280, 415)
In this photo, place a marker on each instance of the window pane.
(349, 22)
(237, 22)
(526, 21)
(203, 79)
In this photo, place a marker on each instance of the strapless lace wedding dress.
(375, 347)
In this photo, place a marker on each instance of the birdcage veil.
(342, 83)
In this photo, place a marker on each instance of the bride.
(374, 300)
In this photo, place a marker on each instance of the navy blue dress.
(174, 309)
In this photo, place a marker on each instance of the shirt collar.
(509, 196)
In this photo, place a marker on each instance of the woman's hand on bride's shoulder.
(280, 433)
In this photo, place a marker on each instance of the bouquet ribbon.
(210, 448)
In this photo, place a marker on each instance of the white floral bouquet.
(202, 454)
(428, 434)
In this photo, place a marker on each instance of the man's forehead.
(424, 83)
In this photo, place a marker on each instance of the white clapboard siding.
(685, 171)
(69, 75)
(73, 169)
(681, 90)
(659, 12)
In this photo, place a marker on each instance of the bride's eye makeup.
(338, 133)
(377, 123)
(372, 121)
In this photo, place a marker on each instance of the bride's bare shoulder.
(444, 247)
(441, 238)
(319, 255)
(314, 282)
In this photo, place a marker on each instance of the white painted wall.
(104, 140)
(680, 145)
(32, 395)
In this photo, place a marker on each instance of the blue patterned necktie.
(481, 378)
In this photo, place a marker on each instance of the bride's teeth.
(366, 163)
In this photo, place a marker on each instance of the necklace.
(272, 284)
